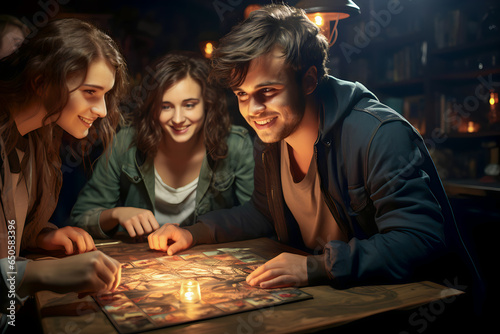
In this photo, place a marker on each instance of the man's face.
(270, 98)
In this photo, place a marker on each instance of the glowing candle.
(190, 291)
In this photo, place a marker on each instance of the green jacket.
(122, 178)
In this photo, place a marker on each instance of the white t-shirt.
(174, 205)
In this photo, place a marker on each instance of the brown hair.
(273, 25)
(166, 71)
(61, 49)
(9, 20)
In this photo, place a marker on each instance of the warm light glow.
(493, 98)
(318, 20)
(470, 127)
(209, 48)
(494, 114)
(249, 9)
(190, 292)
(327, 22)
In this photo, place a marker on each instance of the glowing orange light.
(493, 98)
(318, 20)
(327, 22)
(190, 292)
(249, 9)
(209, 48)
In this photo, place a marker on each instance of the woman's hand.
(92, 272)
(178, 237)
(135, 221)
(72, 239)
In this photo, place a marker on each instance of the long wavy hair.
(40, 69)
(164, 73)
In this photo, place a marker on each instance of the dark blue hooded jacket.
(379, 182)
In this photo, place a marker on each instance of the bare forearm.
(108, 219)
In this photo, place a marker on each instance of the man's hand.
(92, 272)
(178, 237)
(284, 270)
(66, 238)
(136, 221)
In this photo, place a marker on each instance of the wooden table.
(329, 307)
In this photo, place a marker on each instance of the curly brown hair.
(165, 72)
(273, 25)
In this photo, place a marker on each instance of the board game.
(149, 294)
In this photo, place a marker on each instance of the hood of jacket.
(337, 98)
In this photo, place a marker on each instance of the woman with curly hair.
(181, 159)
(68, 78)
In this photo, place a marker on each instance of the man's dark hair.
(273, 25)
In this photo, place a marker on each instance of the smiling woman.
(86, 101)
(69, 77)
(180, 159)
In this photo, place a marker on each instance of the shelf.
(465, 75)
(480, 134)
(397, 68)
(468, 49)
(396, 42)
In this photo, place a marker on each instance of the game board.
(148, 296)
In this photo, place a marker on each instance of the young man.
(336, 172)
